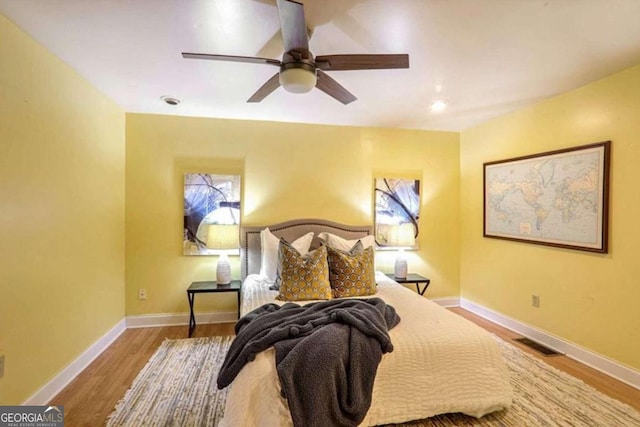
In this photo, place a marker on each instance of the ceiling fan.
(300, 71)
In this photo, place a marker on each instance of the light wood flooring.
(90, 398)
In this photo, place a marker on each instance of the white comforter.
(441, 363)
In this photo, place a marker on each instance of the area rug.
(177, 387)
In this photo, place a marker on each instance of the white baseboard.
(447, 301)
(601, 363)
(169, 319)
(60, 381)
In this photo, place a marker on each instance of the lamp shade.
(401, 236)
(223, 237)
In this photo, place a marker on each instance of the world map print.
(552, 199)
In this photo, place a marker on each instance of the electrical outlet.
(2, 366)
(142, 294)
(535, 301)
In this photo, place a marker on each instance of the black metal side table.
(413, 278)
(205, 287)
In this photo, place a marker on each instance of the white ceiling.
(485, 57)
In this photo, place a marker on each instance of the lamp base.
(223, 270)
(400, 267)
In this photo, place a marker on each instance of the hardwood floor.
(90, 398)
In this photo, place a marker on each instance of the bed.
(441, 363)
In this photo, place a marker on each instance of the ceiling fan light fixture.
(298, 80)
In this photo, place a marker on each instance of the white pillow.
(337, 242)
(269, 257)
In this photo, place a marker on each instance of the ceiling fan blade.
(333, 88)
(293, 25)
(362, 62)
(232, 58)
(272, 84)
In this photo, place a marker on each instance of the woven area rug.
(177, 387)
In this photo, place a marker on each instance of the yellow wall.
(64, 225)
(61, 214)
(589, 299)
(288, 171)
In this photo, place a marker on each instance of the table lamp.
(401, 236)
(223, 238)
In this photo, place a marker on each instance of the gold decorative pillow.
(302, 277)
(351, 273)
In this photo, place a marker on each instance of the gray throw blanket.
(327, 355)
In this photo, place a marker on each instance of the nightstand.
(413, 278)
(205, 287)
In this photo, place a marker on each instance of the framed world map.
(558, 198)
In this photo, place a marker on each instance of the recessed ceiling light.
(170, 100)
(438, 105)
